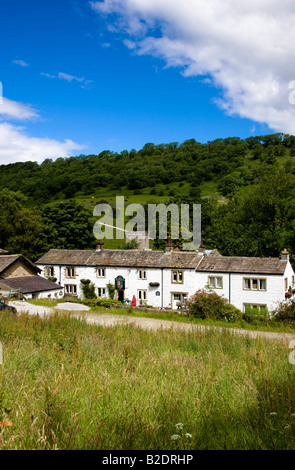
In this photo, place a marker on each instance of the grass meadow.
(69, 385)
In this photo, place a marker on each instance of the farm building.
(19, 276)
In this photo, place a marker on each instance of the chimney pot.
(169, 246)
(99, 245)
(285, 255)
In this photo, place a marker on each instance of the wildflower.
(273, 413)
(287, 426)
(293, 414)
(188, 435)
(5, 423)
(179, 426)
(175, 437)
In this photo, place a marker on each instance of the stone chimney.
(99, 246)
(285, 256)
(169, 246)
(202, 247)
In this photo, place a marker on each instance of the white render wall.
(233, 284)
(233, 287)
(53, 294)
(132, 282)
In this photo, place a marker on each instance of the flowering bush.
(210, 305)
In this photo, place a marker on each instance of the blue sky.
(81, 77)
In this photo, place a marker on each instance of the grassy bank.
(169, 315)
(69, 385)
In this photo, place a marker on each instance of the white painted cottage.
(164, 279)
(245, 281)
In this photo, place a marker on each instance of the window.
(254, 284)
(100, 272)
(286, 283)
(141, 274)
(178, 299)
(177, 277)
(262, 284)
(101, 292)
(259, 307)
(71, 289)
(142, 295)
(70, 272)
(49, 271)
(293, 281)
(216, 282)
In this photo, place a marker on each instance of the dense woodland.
(256, 175)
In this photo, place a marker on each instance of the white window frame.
(142, 295)
(214, 285)
(179, 277)
(72, 272)
(142, 274)
(49, 271)
(102, 293)
(286, 283)
(257, 280)
(183, 297)
(101, 272)
(71, 289)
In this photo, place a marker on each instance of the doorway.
(121, 295)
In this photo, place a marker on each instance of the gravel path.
(106, 319)
(155, 324)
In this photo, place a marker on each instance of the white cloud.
(16, 145)
(22, 63)
(69, 78)
(48, 75)
(12, 110)
(246, 48)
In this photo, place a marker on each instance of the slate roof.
(238, 264)
(214, 262)
(7, 260)
(30, 284)
(122, 258)
(3, 252)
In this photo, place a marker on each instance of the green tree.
(66, 225)
(19, 226)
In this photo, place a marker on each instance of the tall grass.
(69, 385)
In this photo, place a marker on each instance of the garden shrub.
(111, 289)
(88, 289)
(105, 302)
(210, 305)
(97, 302)
(285, 313)
(256, 316)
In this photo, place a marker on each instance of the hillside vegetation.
(51, 205)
